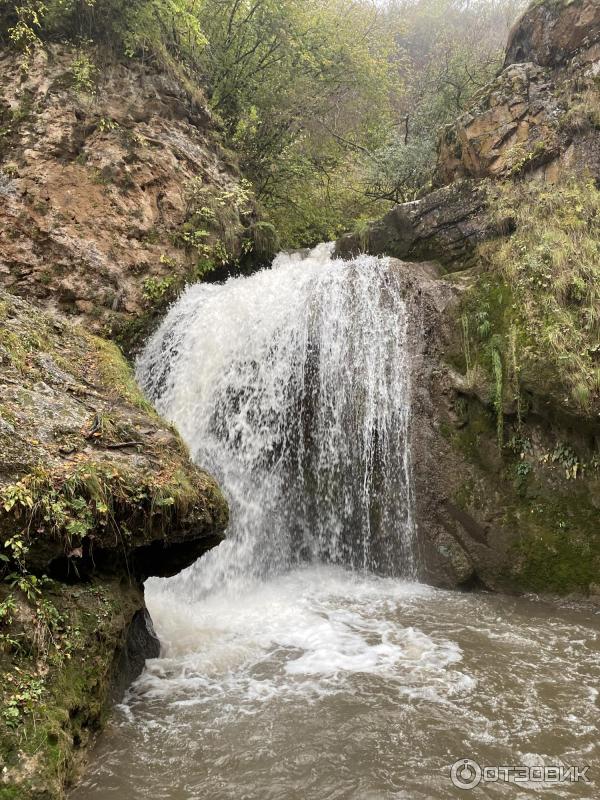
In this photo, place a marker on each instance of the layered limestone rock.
(506, 449)
(445, 225)
(114, 189)
(543, 111)
(514, 125)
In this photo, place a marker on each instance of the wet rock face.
(102, 494)
(140, 643)
(446, 225)
(507, 517)
(98, 481)
(94, 186)
(539, 114)
(553, 31)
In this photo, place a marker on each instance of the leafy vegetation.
(445, 52)
(552, 263)
(333, 106)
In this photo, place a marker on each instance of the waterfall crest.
(292, 386)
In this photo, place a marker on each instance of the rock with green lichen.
(506, 462)
(96, 494)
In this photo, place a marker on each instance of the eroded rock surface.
(543, 110)
(445, 225)
(515, 518)
(552, 33)
(99, 187)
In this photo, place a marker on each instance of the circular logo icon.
(465, 773)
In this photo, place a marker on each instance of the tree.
(446, 50)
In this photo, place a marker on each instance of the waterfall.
(292, 386)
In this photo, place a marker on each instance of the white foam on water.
(308, 630)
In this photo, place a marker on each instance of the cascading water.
(293, 388)
(282, 677)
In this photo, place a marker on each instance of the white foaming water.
(285, 674)
(327, 684)
(293, 387)
(302, 621)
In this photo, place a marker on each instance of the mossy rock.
(97, 492)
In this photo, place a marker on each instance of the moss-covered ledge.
(97, 493)
(523, 420)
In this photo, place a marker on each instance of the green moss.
(475, 438)
(14, 348)
(71, 657)
(540, 499)
(465, 496)
(583, 113)
(117, 373)
(552, 264)
(67, 484)
(11, 120)
(558, 549)
(264, 240)
(131, 335)
(524, 157)
(102, 500)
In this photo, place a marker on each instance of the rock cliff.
(541, 113)
(114, 191)
(506, 437)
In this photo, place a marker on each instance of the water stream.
(301, 659)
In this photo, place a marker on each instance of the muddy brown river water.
(322, 684)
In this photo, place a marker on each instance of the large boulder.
(96, 494)
(98, 481)
(444, 226)
(552, 32)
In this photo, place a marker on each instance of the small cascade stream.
(301, 659)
